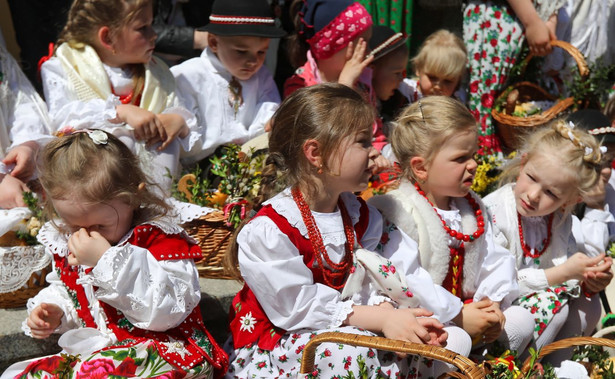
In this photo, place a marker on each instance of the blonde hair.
(443, 54)
(73, 166)
(327, 113)
(85, 17)
(424, 126)
(576, 150)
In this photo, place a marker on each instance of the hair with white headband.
(576, 150)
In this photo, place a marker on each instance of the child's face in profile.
(543, 186)
(135, 42)
(242, 56)
(388, 72)
(112, 219)
(432, 84)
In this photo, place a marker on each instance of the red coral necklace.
(334, 274)
(480, 221)
(527, 251)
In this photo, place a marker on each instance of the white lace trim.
(285, 206)
(340, 312)
(185, 212)
(18, 263)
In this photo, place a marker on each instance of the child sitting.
(24, 127)
(124, 290)
(439, 67)
(232, 94)
(297, 254)
(532, 218)
(103, 75)
(435, 141)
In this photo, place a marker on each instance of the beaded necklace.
(527, 251)
(454, 277)
(334, 272)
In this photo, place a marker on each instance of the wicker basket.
(213, 234)
(30, 259)
(566, 343)
(467, 368)
(511, 128)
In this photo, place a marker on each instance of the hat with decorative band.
(243, 18)
(384, 40)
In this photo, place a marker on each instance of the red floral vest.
(248, 322)
(184, 346)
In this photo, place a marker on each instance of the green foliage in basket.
(231, 182)
(592, 91)
(33, 224)
(597, 356)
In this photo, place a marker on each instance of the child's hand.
(146, 124)
(174, 126)
(24, 158)
(597, 281)
(11, 192)
(381, 163)
(492, 333)
(403, 324)
(578, 265)
(86, 248)
(539, 37)
(355, 63)
(477, 317)
(44, 319)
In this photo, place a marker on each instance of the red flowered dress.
(135, 314)
(493, 37)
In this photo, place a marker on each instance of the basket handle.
(566, 343)
(465, 365)
(184, 183)
(570, 49)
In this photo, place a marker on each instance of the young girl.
(493, 32)
(295, 255)
(532, 219)
(439, 67)
(435, 141)
(124, 289)
(103, 75)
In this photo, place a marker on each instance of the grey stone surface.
(216, 298)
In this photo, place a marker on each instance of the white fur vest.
(411, 212)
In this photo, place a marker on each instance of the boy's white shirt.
(203, 87)
(23, 114)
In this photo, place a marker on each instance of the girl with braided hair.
(532, 218)
(103, 75)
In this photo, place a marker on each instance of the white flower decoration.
(247, 323)
(98, 137)
(175, 346)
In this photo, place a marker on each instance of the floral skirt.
(142, 361)
(543, 305)
(332, 360)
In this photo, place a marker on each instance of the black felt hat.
(243, 18)
(384, 40)
(595, 123)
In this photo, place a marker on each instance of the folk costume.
(456, 247)
(83, 93)
(539, 243)
(135, 313)
(229, 110)
(288, 297)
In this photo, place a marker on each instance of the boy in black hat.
(232, 95)
(597, 213)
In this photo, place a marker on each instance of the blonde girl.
(532, 219)
(439, 66)
(124, 290)
(297, 253)
(103, 75)
(435, 141)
